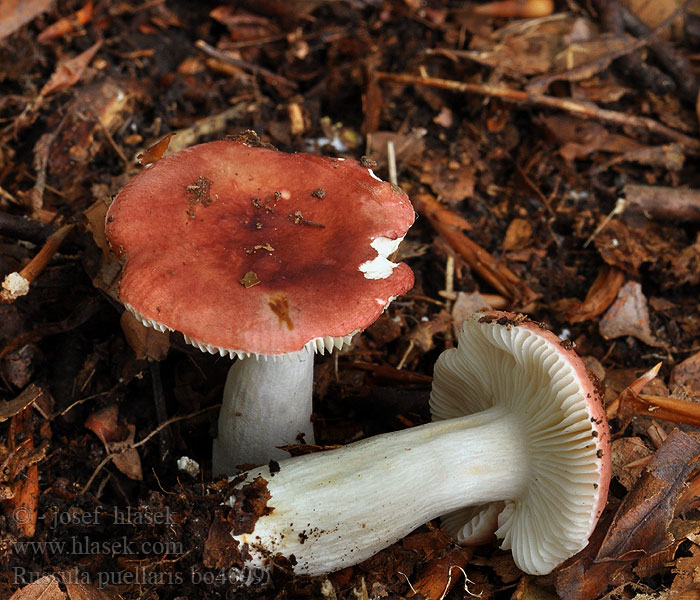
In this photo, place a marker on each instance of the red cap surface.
(254, 250)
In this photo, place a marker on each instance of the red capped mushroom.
(255, 253)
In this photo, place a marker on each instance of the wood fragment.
(664, 203)
(586, 110)
(502, 279)
(248, 66)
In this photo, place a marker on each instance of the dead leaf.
(629, 248)
(453, 182)
(527, 590)
(407, 146)
(146, 342)
(117, 437)
(687, 373)
(685, 584)
(640, 525)
(465, 306)
(441, 574)
(582, 578)
(15, 13)
(518, 234)
(685, 265)
(624, 451)
(579, 138)
(69, 72)
(523, 55)
(423, 333)
(45, 588)
(108, 276)
(68, 24)
(155, 152)
(599, 297)
(629, 315)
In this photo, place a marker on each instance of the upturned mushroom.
(264, 256)
(518, 429)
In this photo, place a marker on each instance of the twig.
(23, 228)
(659, 202)
(110, 139)
(585, 110)
(161, 411)
(155, 431)
(677, 65)
(17, 284)
(244, 64)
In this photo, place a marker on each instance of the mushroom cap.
(505, 359)
(247, 250)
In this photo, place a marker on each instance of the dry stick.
(110, 139)
(665, 203)
(633, 66)
(583, 71)
(586, 110)
(244, 64)
(17, 284)
(163, 425)
(502, 279)
(674, 62)
(23, 228)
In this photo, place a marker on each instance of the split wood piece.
(17, 284)
(662, 407)
(599, 297)
(664, 203)
(585, 110)
(440, 574)
(502, 279)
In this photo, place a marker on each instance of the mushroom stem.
(267, 403)
(336, 508)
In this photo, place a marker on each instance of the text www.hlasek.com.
(84, 545)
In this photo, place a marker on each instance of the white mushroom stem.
(267, 403)
(334, 509)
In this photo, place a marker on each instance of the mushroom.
(518, 428)
(264, 256)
